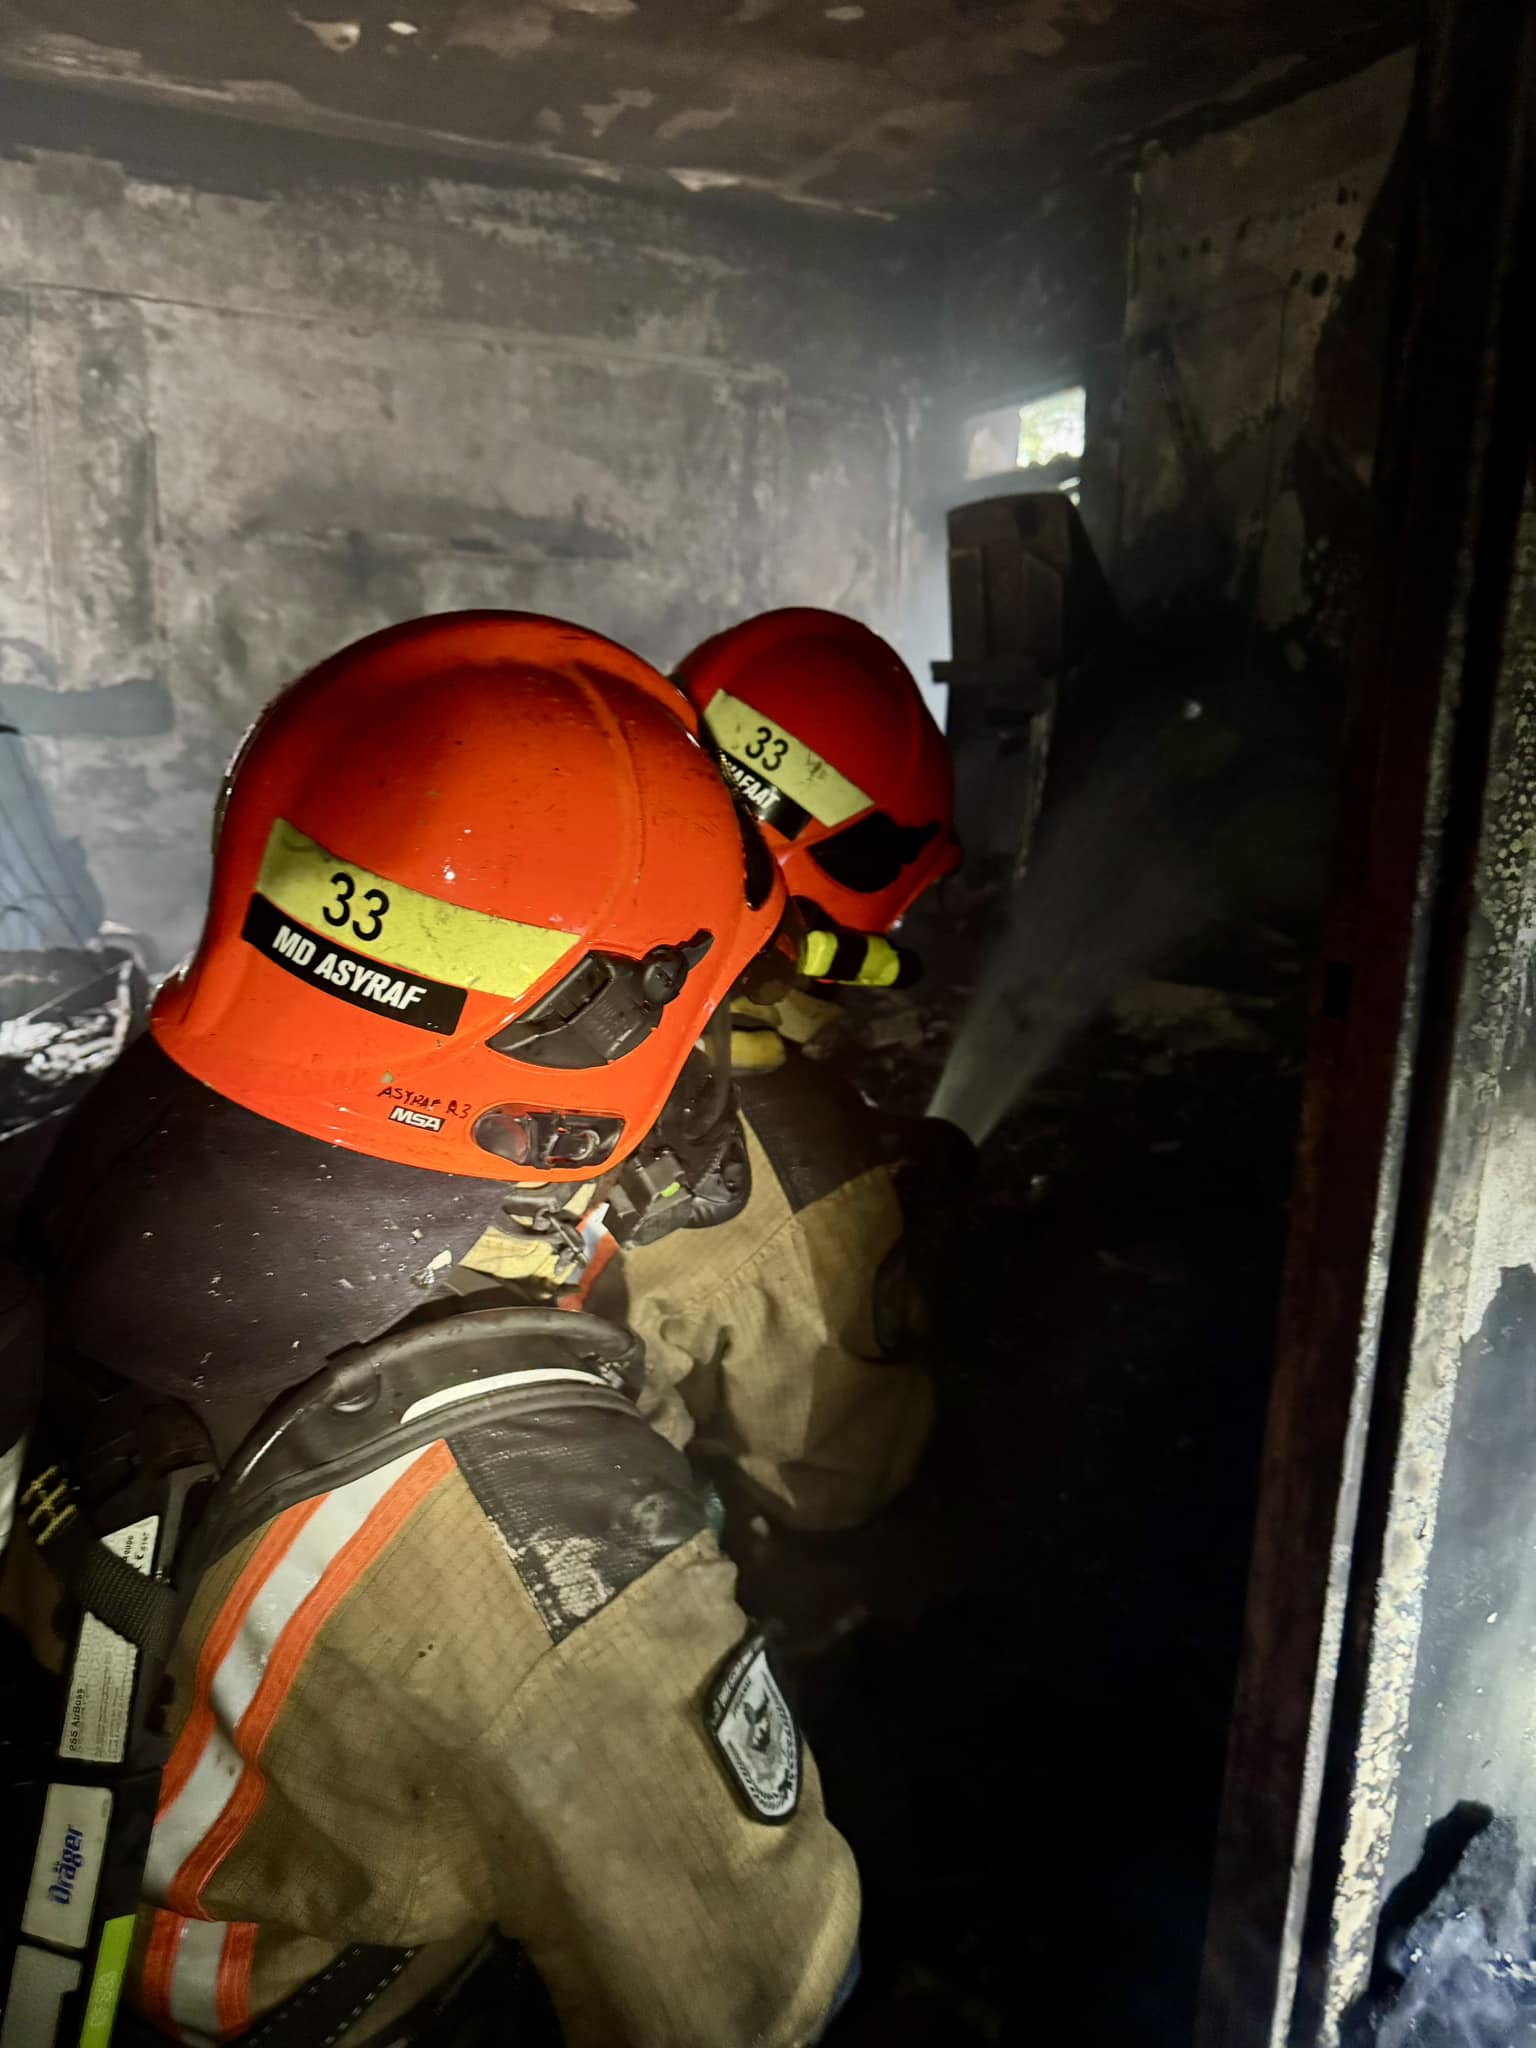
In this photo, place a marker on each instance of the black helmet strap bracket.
(602, 1009)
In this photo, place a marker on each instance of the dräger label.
(769, 754)
(408, 999)
(67, 1865)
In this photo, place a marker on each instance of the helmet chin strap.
(691, 1170)
(551, 1214)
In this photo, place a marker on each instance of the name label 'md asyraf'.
(429, 1005)
(382, 945)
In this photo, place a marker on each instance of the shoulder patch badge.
(751, 1725)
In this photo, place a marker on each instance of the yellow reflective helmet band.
(772, 755)
(401, 927)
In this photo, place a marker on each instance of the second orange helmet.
(822, 727)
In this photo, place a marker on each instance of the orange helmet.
(822, 727)
(477, 890)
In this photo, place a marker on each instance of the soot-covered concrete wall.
(1224, 299)
(1206, 296)
(249, 413)
(1244, 271)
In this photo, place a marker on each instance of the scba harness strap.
(81, 1807)
(134, 1605)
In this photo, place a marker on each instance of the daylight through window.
(1045, 434)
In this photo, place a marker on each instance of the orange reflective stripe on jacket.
(196, 1980)
(196, 1972)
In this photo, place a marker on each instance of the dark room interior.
(1149, 378)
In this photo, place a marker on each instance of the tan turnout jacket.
(768, 1327)
(764, 1340)
(482, 1687)
(475, 1689)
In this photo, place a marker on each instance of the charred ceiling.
(889, 107)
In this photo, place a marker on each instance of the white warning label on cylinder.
(100, 1699)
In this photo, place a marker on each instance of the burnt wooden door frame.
(1404, 1047)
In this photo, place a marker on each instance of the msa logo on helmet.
(416, 1118)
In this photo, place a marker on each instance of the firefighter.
(783, 1345)
(821, 727)
(477, 893)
